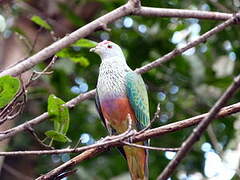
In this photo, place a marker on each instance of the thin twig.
(214, 141)
(35, 40)
(220, 6)
(44, 71)
(14, 107)
(41, 142)
(108, 140)
(151, 147)
(217, 147)
(65, 174)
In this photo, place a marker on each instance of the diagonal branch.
(69, 39)
(148, 67)
(25, 126)
(147, 134)
(96, 149)
(130, 8)
(199, 130)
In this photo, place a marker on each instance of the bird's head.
(107, 49)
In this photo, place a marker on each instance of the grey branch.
(199, 130)
(115, 140)
(25, 126)
(132, 7)
(67, 40)
(127, 9)
(181, 13)
(148, 67)
(139, 137)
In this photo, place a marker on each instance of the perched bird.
(122, 92)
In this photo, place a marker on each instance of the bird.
(120, 94)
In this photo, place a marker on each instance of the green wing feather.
(138, 97)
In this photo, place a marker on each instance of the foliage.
(73, 54)
(39, 21)
(60, 116)
(9, 86)
(186, 86)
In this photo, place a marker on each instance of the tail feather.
(137, 159)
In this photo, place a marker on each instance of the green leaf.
(58, 113)
(85, 43)
(9, 86)
(18, 30)
(64, 53)
(74, 56)
(81, 60)
(39, 21)
(57, 136)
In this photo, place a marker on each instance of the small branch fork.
(15, 107)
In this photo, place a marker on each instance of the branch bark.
(11, 132)
(148, 67)
(199, 130)
(69, 39)
(181, 13)
(172, 127)
(127, 9)
(71, 163)
(96, 149)
(134, 8)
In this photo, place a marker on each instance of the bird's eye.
(109, 46)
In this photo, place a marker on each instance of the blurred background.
(186, 86)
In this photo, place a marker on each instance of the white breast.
(111, 80)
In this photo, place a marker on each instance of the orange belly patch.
(115, 112)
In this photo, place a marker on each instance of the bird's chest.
(113, 99)
(111, 82)
(116, 111)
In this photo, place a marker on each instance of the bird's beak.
(92, 49)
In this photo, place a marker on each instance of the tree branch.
(127, 9)
(11, 132)
(68, 39)
(181, 13)
(189, 45)
(199, 130)
(139, 137)
(71, 163)
(115, 140)
(148, 67)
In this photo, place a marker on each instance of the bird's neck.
(114, 64)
